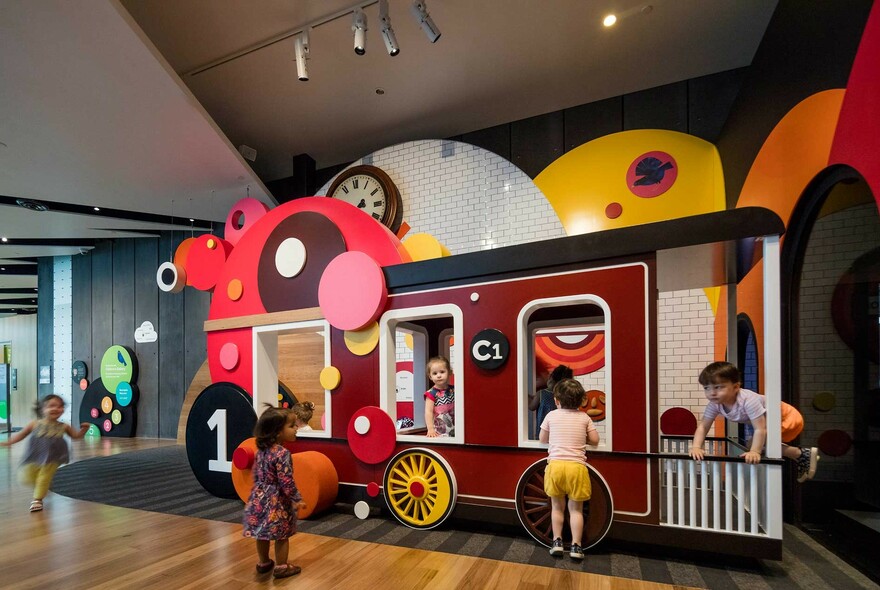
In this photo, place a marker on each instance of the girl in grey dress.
(47, 448)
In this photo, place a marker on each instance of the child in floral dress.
(270, 513)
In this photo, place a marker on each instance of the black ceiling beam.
(59, 207)
(19, 301)
(18, 291)
(19, 311)
(72, 242)
(18, 269)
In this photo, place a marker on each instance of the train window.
(570, 331)
(288, 358)
(408, 338)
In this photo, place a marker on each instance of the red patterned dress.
(269, 514)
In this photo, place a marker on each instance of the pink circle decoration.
(243, 458)
(352, 292)
(108, 425)
(378, 443)
(651, 174)
(613, 210)
(94, 413)
(835, 443)
(323, 421)
(242, 217)
(229, 356)
(678, 422)
(373, 489)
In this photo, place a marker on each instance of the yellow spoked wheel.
(420, 488)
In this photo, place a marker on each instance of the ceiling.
(107, 104)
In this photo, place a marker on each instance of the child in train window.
(543, 400)
(723, 388)
(440, 399)
(569, 431)
(303, 412)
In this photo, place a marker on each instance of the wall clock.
(371, 190)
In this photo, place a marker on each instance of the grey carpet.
(160, 480)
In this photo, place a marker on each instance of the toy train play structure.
(314, 300)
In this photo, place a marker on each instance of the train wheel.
(533, 507)
(420, 488)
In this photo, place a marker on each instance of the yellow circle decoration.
(234, 290)
(362, 342)
(424, 247)
(824, 401)
(330, 377)
(211, 243)
(408, 340)
(106, 404)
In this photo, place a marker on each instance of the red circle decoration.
(243, 457)
(206, 260)
(835, 443)
(229, 356)
(373, 489)
(678, 422)
(108, 425)
(83, 384)
(241, 217)
(416, 489)
(94, 413)
(613, 210)
(352, 292)
(378, 443)
(651, 174)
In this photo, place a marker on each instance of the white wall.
(63, 343)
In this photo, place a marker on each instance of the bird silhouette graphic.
(651, 171)
(121, 358)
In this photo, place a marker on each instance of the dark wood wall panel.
(196, 352)
(81, 316)
(663, 107)
(102, 303)
(494, 139)
(46, 324)
(146, 309)
(591, 121)
(123, 293)
(536, 142)
(172, 339)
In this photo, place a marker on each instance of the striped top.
(568, 434)
(748, 406)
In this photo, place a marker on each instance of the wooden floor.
(74, 544)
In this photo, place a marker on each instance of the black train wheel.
(533, 507)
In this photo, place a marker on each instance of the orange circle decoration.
(234, 290)
(316, 477)
(377, 444)
(594, 405)
(106, 404)
(352, 291)
(83, 384)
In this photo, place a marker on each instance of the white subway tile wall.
(826, 362)
(468, 198)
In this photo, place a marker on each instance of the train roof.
(692, 252)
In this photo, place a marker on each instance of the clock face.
(372, 191)
(364, 192)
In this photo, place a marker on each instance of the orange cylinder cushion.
(792, 422)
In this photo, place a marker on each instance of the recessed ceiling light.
(4, 239)
(31, 204)
(380, 91)
(609, 20)
(96, 208)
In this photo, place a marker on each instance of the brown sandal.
(263, 568)
(287, 570)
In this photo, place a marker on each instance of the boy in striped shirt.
(568, 431)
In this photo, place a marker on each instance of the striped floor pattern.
(160, 480)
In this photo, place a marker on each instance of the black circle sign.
(79, 371)
(489, 349)
(219, 420)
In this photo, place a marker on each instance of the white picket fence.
(728, 496)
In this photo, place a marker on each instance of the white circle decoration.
(290, 258)
(362, 510)
(475, 296)
(362, 425)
